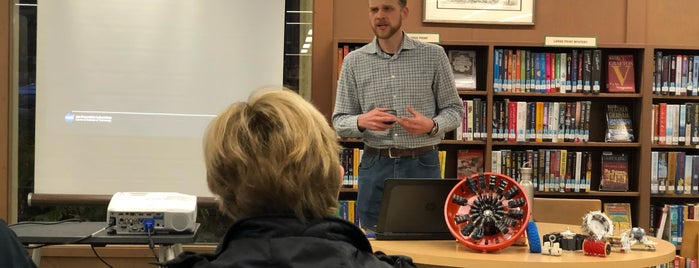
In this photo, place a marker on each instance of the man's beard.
(392, 30)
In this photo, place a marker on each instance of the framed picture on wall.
(479, 11)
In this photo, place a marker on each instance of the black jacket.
(12, 252)
(284, 241)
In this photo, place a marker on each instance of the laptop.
(413, 209)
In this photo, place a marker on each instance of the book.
(619, 124)
(469, 162)
(615, 171)
(463, 65)
(620, 74)
(660, 230)
(620, 214)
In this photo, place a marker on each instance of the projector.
(152, 212)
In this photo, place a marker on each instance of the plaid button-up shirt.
(418, 75)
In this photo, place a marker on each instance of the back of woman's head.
(275, 153)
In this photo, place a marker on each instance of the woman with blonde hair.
(273, 163)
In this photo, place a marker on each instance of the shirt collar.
(408, 43)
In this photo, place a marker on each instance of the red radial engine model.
(487, 211)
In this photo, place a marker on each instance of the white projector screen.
(126, 88)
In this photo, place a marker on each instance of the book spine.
(539, 121)
(547, 122)
(462, 131)
(657, 74)
(673, 75)
(654, 172)
(684, 76)
(695, 75)
(695, 175)
(531, 121)
(671, 172)
(681, 121)
(548, 84)
(687, 174)
(497, 62)
(665, 88)
(689, 119)
(578, 171)
(496, 161)
(662, 123)
(588, 171)
(521, 121)
(587, 71)
(679, 173)
(512, 109)
(596, 70)
(468, 135)
(574, 79)
(662, 171)
(675, 124)
(477, 118)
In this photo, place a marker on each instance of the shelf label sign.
(425, 37)
(567, 41)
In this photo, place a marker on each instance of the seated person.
(273, 163)
(12, 252)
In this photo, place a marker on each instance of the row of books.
(473, 125)
(351, 157)
(519, 121)
(553, 170)
(679, 262)
(347, 210)
(674, 172)
(580, 71)
(676, 74)
(667, 220)
(675, 124)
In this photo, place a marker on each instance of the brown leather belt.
(398, 152)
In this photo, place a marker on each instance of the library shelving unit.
(674, 137)
(490, 90)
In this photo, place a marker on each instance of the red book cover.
(469, 162)
(548, 73)
(620, 74)
(662, 117)
(512, 122)
(615, 172)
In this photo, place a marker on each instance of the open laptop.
(413, 209)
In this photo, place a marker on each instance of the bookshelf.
(674, 92)
(594, 145)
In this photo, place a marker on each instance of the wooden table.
(453, 254)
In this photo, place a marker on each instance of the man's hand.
(377, 120)
(418, 124)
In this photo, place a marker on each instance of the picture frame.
(517, 12)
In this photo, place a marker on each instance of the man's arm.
(347, 107)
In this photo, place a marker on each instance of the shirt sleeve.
(450, 108)
(347, 106)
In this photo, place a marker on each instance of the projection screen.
(126, 88)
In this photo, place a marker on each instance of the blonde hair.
(274, 154)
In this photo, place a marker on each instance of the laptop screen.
(413, 209)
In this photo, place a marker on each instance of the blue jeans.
(375, 169)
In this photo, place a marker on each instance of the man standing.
(398, 95)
